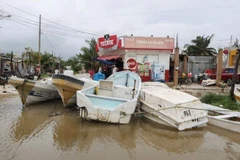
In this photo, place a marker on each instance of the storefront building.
(148, 56)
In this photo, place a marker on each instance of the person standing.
(100, 69)
(115, 69)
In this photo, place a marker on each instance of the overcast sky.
(67, 24)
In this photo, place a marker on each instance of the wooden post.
(234, 78)
(219, 66)
(185, 64)
(176, 66)
(11, 63)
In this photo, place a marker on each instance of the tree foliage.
(200, 47)
(236, 43)
(74, 63)
(87, 54)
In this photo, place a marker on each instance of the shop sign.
(152, 43)
(107, 41)
(131, 63)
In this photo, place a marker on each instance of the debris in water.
(54, 114)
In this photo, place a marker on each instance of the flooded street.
(30, 133)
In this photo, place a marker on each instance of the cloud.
(186, 18)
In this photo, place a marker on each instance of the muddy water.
(30, 133)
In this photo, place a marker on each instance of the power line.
(50, 43)
(79, 31)
(45, 26)
(33, 25)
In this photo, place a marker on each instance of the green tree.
(47, 62)
(200, 47)
(236, 43)
(87, 55)
(30, 57)
(74, 63)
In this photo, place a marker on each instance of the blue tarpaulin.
(103, 61)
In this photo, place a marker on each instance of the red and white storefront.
(148, 56)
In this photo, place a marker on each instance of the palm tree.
(199, 47)
(87, 55)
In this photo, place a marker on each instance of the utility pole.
(59, 63)
(230, 44)
(39, 44)
(176, 63)
(53, 61)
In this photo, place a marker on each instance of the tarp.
(108, 57)
(103, 61)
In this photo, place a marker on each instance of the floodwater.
(30, 133)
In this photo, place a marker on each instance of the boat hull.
(32, 92)
(163, 119)
(224, 123)
(114, 101)
(67, 87)
(171, 107)
(237, 92)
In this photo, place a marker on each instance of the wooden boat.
(223, 118)
(32, 92)
(68, 85)
(114, 100)
(171, 107)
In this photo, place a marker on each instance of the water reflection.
(34, 119)
(226, 134)
(69, 131)
(171, 140)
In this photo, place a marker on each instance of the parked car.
(227, 75)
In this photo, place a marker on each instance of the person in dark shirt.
(5, 80)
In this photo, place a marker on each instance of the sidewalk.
(199, 90)
(9, 89)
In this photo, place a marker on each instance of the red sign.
(225, 51)
(131, 63)
(108, 42)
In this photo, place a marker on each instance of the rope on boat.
(140, 112)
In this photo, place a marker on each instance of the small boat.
(114, 100)
(171, 107)
(31, 91)
(208, 82)
(223, 118)
(67, 86)
(237, 92)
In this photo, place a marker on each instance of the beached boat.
(68, 85)
(32, 92)
(223, 118)
(114, 100)
(171, 107)
(237, 92)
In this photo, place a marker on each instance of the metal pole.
(39, 44)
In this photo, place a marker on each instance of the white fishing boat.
(171, 107)
(223, 118)
(67, 86)
(31, 91)
(114, 100)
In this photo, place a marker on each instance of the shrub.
(220, 100)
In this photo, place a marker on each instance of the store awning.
(103, 61)
(108, 57)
